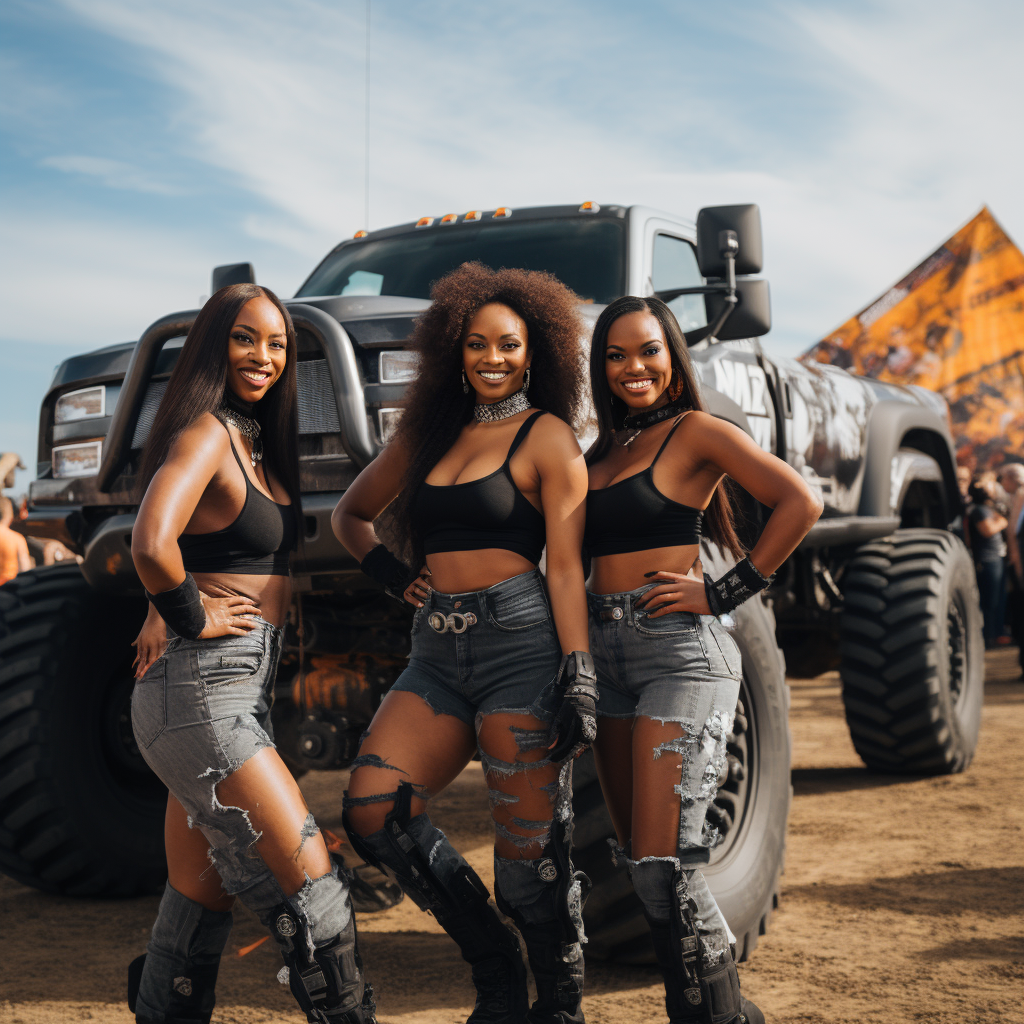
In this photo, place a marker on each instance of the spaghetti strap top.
(257, 543)
(487, 513)
(633, 515)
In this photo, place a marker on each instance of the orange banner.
(954, 324)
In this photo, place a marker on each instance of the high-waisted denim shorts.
(485, 651)
(678, 667)
(201, 711)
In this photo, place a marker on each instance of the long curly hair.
(719, 519)
(436, 406)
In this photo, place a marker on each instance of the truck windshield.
(587, 255)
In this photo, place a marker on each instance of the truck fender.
(895, 425)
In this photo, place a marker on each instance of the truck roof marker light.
(449, 218)
(502, 211)
(360, 233)
(424, 222)
(589, 207)
(474, 215)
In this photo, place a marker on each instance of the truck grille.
(318, 413)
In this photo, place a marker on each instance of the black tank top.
(487, 513)
(255, 544)
(633, 515)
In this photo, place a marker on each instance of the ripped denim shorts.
(201, 711)
(485, 651)
(676, 667)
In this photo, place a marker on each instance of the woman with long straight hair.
(483, 473)
(668, 671)
(211, 543)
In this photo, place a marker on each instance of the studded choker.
(239, 414)
(632, 425)
(489, 412)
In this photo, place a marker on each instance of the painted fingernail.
(647, 575)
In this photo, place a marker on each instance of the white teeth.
(494, 376)
(255, 375)
(637, 385)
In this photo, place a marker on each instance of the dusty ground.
(902, 902)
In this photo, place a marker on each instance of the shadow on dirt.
(933, 894)
(812, 781)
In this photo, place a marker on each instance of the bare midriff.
(272, 594)
(461, 572)
(618, 574)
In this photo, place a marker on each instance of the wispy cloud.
(112, 173)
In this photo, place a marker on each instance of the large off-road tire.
(912, 652)
(750, 811)
(80, 812)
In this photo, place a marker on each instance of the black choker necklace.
(239, 414)
(632, 425)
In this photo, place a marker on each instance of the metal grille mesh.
(318, 413)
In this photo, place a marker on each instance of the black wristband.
(741, 582)
(181, 608)
(390, 572)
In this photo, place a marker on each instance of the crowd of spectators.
(994, 529)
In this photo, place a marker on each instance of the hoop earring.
(675, 387)
(465, 383)
(526, 381)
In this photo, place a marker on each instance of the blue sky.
(144, 142)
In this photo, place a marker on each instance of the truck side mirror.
(752, 315)
(745, 221)
(232, 273)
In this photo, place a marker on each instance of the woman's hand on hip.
(229, 616)
(419, 590)
(150, 643)
(675, 592)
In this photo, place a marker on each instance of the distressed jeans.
(679, 668)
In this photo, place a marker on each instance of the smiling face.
(495, 352)
(257, 349)
(637, 362)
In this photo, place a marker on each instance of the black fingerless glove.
(181, 608)
(741, 582)
(576, 719)
(390, 572)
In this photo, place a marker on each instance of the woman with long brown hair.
(484, 472)
(668, 670)
(211, 543)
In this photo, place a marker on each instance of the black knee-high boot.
(701, 984)
(419, 857)
(174, 982)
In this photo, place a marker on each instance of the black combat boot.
(694, 990)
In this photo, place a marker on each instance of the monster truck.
(880, 586)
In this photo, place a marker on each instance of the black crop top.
(633, 515)
(487, 513)
(255, 544)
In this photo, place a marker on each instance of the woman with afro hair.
(483, 473)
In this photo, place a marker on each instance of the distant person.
(988, 546)
(1011, 478)
(14, 556)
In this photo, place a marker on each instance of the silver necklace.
(489, 413)
(247, 427)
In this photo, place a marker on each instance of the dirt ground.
(903, 901)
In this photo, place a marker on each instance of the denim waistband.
(260, 630)
(622, 607)
(477, 600)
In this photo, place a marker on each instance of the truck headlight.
(84, 404)
(398, 365)
(77, 459)
(387, 421)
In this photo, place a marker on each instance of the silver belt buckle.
(455, 623)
